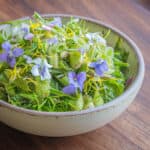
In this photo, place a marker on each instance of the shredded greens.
(47, 65)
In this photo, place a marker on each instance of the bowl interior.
(112, 39)
(125, 46)
(96, 26)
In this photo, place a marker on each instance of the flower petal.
(16, 30)
(45, 63)
(56, 22)
(104, 66)
(35, 70)
(101, 68)
(81, 77)
(25, 28)
(11, 61)
(37, 61)
(6, 46)
(72, 77)
(92, 65)
(17, 52)
(89, 36)
(52, 41)
(70, 89)
(82, 50)
(95, 37)
(98, 70)
(45, 27)
(28, 59)
(29, 36)
(3, 56)
(45, 73)
(100, 39)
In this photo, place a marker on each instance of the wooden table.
(131, 131)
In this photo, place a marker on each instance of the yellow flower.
(35, 25)
(69, 32)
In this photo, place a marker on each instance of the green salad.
(47, 65)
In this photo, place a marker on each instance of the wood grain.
(131, 131)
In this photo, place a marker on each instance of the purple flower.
(41, 67)
(9, 55)
(99, 66)
(82, 50)
(50, 25)
(25, 28)
(45, 27)
(52, 41)
(27, 34)
(56, 22)
(95, 37)
(75, 81)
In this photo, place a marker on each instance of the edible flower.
(52, 41)
(75, 81)
(41, 67)
(82, 50)
(45, 27)
(9, 55)
(55, 22)
(100, 67)
(27, 34)
(95, 37)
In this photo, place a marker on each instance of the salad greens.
(46, 65)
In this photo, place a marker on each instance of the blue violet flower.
(52, 41)
(56, 22)
(27, 34)
(75, 81)
(41, 67)
(10, 55)
(95, 37)
(100, 67)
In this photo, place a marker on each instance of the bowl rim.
(135, 83)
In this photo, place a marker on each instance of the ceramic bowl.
(58, 124)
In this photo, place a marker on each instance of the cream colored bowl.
(57, 124)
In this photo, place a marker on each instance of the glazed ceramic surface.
(57, 124)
